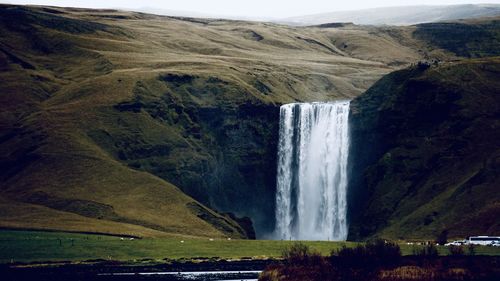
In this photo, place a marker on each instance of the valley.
(126, 123)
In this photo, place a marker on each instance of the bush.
(384, 252)
(456, 251)
(271, 273)
(373, 254)
(365, 261)
(471, 250)
(428, 251)
(296, 253)
(442, 238)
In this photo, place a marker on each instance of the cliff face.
(217, 148)
(425, 153)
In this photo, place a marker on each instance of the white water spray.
(311, 201)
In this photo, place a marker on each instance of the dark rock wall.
(208, 136)
(423, 143)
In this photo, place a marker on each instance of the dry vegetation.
(378, 260)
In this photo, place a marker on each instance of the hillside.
(466, 38)
(130, 123)
(104, 110)
(404, 15)
(425, 155)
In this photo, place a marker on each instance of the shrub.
(374, 254)
(471, 250)
(271, 273)
(296, 253)
(456, 251)
(365, 261)
(428, 251)
(384, 252)
(442, 238)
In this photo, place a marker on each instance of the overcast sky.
(248, 8)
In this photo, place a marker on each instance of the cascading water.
(311, 201)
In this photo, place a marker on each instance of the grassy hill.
(103, 110)
(130, 123)
(466, 38)
(425, 152)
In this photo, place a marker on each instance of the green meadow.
(37, 246)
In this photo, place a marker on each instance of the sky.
(248, 8)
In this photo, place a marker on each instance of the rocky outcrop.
(217, 147)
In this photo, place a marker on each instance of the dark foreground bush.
(428, 251)
(379, 260)
(442, 238)
(300, 263)
(365, 261)
(296, 253)
(373, 254)
(295, 272)
(456, 251)
(299, 253)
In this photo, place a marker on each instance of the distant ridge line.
(398, 15)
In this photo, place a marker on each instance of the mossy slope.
(425, 152)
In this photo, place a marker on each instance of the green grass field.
(36, 246)
(27, 246)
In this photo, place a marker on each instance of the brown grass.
(78, 76)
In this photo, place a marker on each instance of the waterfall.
(311, 201)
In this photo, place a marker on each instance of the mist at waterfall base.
(311, 193)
